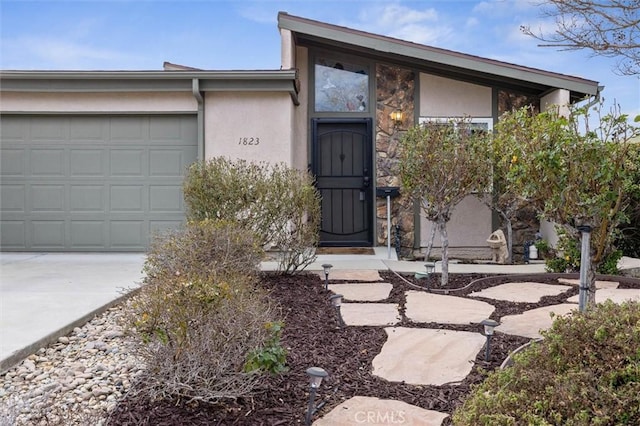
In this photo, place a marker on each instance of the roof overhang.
(429, 59)
(150, 81)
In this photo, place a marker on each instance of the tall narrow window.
(341, 86)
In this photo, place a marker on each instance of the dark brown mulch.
(312, 339)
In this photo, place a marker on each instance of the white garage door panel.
(92, 183)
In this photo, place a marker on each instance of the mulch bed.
(312, 338)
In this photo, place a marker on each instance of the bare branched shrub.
(199, 314)
(278, 203)
(209, 365)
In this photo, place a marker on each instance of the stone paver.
(375, 314)
(429, 307)
(521, 292)
(616, 295)
(599, 284)
(352, 275)
(424, 356)
(529, 323)
(371, 411)
(364, 292)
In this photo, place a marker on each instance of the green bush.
(586, 371)
(567, 256)
(272, 356)
(279, 204)
(199, 314)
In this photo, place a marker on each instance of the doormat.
(345, 250)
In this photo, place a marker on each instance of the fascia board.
(142, 81)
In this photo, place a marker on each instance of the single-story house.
(94, 160)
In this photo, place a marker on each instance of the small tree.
(608, 28)
(573, 175)
(441, 164)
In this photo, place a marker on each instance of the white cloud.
(59, 53)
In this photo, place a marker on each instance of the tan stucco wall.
(468, 229)
(470, 223)
(443, 97)
(287, 50)
(300, 145)
(97, 102)
(560, 97)
(232, 116)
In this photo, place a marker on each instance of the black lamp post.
(489, 326)
(316, 374)
(336, 301)
(326, 267)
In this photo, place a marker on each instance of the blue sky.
(242, 34)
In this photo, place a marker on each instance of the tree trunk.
(509, 240)
(432, 236)
(442, 225)
(591, 279)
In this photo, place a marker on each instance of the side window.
(340, 86)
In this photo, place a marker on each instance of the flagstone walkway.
(433, 356)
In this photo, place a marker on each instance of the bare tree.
(608, 28)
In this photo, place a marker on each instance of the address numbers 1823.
(249, 141)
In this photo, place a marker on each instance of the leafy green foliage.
(272, 356)
(199, 313)
(572, 174)
(277, 203)
(567, 257)
(586, 371)
(441, 164)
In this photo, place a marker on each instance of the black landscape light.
(489, 326)
(326, 267)
(336, 301)
(316, 374)
(429, 267)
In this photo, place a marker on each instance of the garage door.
(92, 183)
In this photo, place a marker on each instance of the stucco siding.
(443, 97)
(468, 229)
(249, 126)
(97, 102)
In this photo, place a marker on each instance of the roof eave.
(416, 52)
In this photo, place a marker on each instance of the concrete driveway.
(45, 293)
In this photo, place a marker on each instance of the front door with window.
(342, 163)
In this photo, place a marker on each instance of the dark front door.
(342, 165)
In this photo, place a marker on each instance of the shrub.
(279, 204)
(585, 372)
(567, 256)
(199, 315)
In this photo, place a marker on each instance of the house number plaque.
(247, 141)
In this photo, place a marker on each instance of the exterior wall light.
(326, 267)
(396, 117)
(316, 374)
(489, 326)
(336, 301)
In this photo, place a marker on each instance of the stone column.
(395, 90)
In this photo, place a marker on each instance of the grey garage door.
(91, 183)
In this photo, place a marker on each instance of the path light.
(316, 374)
(326, 267)
(336, 301)
(489, 326)
(430, 267)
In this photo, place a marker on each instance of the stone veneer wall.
(395, 90)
